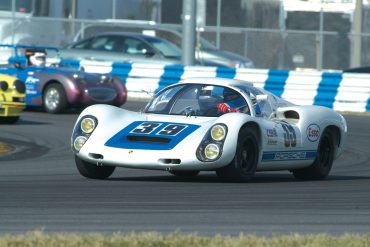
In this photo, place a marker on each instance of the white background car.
(204, 124)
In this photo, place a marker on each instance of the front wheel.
(324, 160)
(93, 171)
(54, 98)
(244, 164)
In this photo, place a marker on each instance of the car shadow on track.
(211, 178)
(68, 111)
(28, 122)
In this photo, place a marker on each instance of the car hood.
(158, 132)
(89, 79)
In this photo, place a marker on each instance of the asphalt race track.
(40, 188)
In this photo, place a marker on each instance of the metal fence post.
(13, 21)
(188, 32)
(357, 37)
(113, 9)
(321, 39)
(218, 24)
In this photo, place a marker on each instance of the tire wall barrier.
(339, 91)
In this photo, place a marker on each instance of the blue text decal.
(289, 155)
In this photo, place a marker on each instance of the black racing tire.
(244, 164)
(54, 98)
(9, 120)
(93, 171)
(323, 163)
(184, 173)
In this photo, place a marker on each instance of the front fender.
(235, 122)
(72, 90)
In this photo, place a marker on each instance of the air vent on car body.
(291, 115)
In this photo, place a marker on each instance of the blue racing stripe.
(276, 81)
(368, 105)
(171, 75)
(148, 135)
(328, 89)
(122, 70)
(223, 72)
(289, 155)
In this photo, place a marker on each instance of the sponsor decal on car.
(313, 132)
(271, 136)
(32, 85)
(290, 137)
(288, 155)
(151, 135)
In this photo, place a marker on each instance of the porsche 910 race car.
(56, 88)
(210, 124)
(12, 97)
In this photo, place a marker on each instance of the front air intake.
(291, 115)
(148, 139)
(102, 94)
(170, 161)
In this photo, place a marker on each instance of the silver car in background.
(164, 48)
(123, 47)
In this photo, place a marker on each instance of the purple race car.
(56, 88)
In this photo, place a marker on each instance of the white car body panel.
(285, 142)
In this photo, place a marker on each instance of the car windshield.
(166, 48)
(260, 99)
(197, 100)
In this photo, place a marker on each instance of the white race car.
(204, 124)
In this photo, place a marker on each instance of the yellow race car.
(12, 98)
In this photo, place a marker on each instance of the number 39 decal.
(290, 138)
(166, 130)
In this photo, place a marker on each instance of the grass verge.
(41, 239)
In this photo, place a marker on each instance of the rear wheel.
(54, 98)
(324, 160)
(90, 170)
(184, 173)
(244, 164)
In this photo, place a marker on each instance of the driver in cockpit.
(232, 102)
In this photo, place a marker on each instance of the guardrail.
(339, 91)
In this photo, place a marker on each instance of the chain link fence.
(260, 30)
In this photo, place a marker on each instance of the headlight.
(82, 132)
(79, 78)
(79, 142)
(218, 132)
(105, 79)
(88, 125)
(19, 86)
(4, 85)
(212, 151)
(210, 148)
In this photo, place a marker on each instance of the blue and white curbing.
(339, 91)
